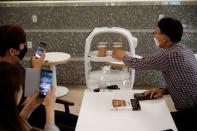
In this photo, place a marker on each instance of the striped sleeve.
(155, 62)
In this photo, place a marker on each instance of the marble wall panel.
(83, 17)
(65, 28)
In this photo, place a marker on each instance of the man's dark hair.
(171, 28)
(11, 36)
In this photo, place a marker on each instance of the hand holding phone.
(40, 50)
(37, 63)
(45, 82)
(50, 99)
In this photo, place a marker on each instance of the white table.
(96, 113)
(52, 59)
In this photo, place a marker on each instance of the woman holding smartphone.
(12, 50)
(10, 96)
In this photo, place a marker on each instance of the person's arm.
(156, 62)
(30, 104)
(51, 127)
(50, 114)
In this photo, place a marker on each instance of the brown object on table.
(118, 103)
(101, 50)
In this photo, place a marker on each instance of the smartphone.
(40, 50)
(141, 96)
(45, 82)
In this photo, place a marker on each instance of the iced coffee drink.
(101, 50)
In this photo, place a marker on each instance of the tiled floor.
(76, 95)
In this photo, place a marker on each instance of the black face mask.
(22, 53)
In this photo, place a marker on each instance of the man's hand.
(118, 53)
(156, 92)
(37, 63)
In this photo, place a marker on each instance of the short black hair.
(171, 28)
(11, 36)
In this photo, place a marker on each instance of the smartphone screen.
(40, 50)
(45, 81)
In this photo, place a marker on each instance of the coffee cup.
(101, 50)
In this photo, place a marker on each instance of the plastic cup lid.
(117, 43)
(99, 46)
(102, 43)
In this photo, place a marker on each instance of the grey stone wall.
(65, 28)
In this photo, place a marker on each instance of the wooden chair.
(65, 103)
